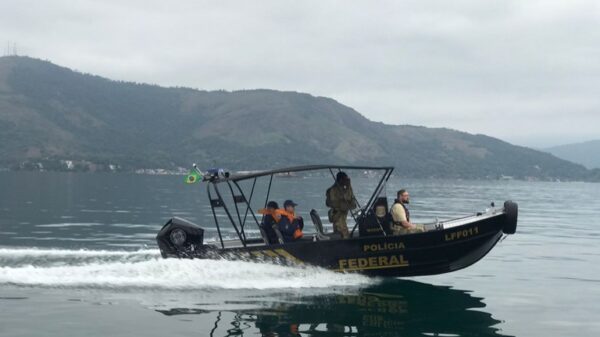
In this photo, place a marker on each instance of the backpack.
(328, 201)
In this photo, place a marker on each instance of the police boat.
(444, 247)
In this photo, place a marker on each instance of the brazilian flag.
(193, 177)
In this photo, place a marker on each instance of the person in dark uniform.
(291, 224)
(270, 221)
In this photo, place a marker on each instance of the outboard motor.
(179, 238)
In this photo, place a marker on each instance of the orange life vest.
(277, 214)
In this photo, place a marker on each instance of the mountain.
(586, 153)
(53, 116)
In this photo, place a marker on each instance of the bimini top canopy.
(237, 215)
(251, 175)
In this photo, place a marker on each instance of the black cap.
(289, 203)
(272, 204)
(341, 176)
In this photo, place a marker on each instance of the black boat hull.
(432, 252)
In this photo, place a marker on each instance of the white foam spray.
(146, 269)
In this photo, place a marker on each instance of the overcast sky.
(525, 71)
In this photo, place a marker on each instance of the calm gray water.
(78, 257)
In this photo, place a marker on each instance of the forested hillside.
(50, 115)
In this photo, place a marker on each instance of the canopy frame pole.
(248, 206)
(249, 201)
(212, 207)
(237, 210)
(382, 182)
(229, 215)
(267, 198)
(268, 191)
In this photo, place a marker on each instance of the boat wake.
(60, 268)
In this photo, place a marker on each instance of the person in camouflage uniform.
(340, 200)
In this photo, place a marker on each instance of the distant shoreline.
(169, 172)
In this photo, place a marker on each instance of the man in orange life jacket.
(290, 225)
(270, 220)
(401, 216)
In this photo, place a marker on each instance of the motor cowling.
(511, 212)
(179, 238)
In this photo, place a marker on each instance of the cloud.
(524, 71)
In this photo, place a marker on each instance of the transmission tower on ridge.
(10, 49)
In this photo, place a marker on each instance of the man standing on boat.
(401, 216)
(340, 200)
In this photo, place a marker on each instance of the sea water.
(78, 257)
